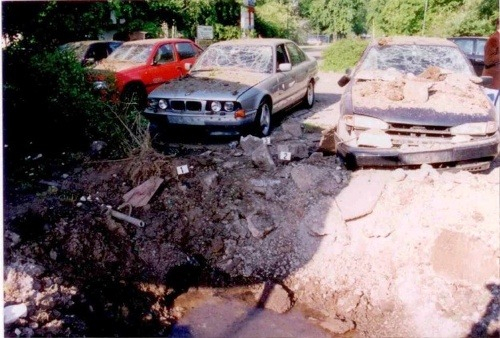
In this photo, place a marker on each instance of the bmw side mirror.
(285, 67)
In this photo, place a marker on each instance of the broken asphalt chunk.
(360, 197)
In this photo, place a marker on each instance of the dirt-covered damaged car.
(236, 86)
(416, 100)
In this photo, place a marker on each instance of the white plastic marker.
(285, 156)
(182, 169)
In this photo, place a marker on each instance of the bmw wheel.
(263, 119)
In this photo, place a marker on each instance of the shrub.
(343, 54)
(50, 107)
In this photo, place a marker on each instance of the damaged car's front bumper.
(474, 155)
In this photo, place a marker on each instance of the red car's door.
(165, 67)
(187, 52)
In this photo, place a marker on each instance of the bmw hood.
(215, 84)
(435, 97)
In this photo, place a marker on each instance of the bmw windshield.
(249, 58)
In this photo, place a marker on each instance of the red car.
(135, 68)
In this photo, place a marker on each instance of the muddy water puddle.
(212, 315)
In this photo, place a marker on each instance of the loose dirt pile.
(375, 253)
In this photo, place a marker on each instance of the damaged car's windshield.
(131, 53)
(415, 58)
(242, 57)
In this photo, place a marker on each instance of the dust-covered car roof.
(154, 41)
(254, 42)
(413, 40)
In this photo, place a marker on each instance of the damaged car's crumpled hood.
(219, 84)
(434, 97)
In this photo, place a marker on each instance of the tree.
(340, 17)
(44, 24)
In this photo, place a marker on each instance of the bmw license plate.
(189, 120)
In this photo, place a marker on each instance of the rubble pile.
(115, 247)
(240, 210)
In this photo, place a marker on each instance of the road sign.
(205, 32)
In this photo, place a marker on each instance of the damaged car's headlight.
(365, 122)
(476, 128)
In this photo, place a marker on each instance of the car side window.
(296, 55)
(164, 55)
(467, 46)
(97, 52)
(185, 50)
(480, 47)
(281, 56)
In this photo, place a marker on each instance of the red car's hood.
(116, 66)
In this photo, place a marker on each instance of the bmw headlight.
(99, 85)
(163, 104)
(476, 128)
(216, 106)
(365, 122)
(229, 106)
(153, 103)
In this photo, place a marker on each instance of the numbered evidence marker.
(266, 140)
(285, 156)
(182, 169)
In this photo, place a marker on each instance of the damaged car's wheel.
(308, 101)
(263, 119)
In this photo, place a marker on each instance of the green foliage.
(339, 17)
(402, 17)
(49, 106)
(276, 19)
(443, 18)
(343, 54)
(45, 24)
(226, 32)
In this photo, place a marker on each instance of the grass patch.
(343, 54)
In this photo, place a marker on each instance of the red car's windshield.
(132, 53)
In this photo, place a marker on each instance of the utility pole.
(425, 14)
